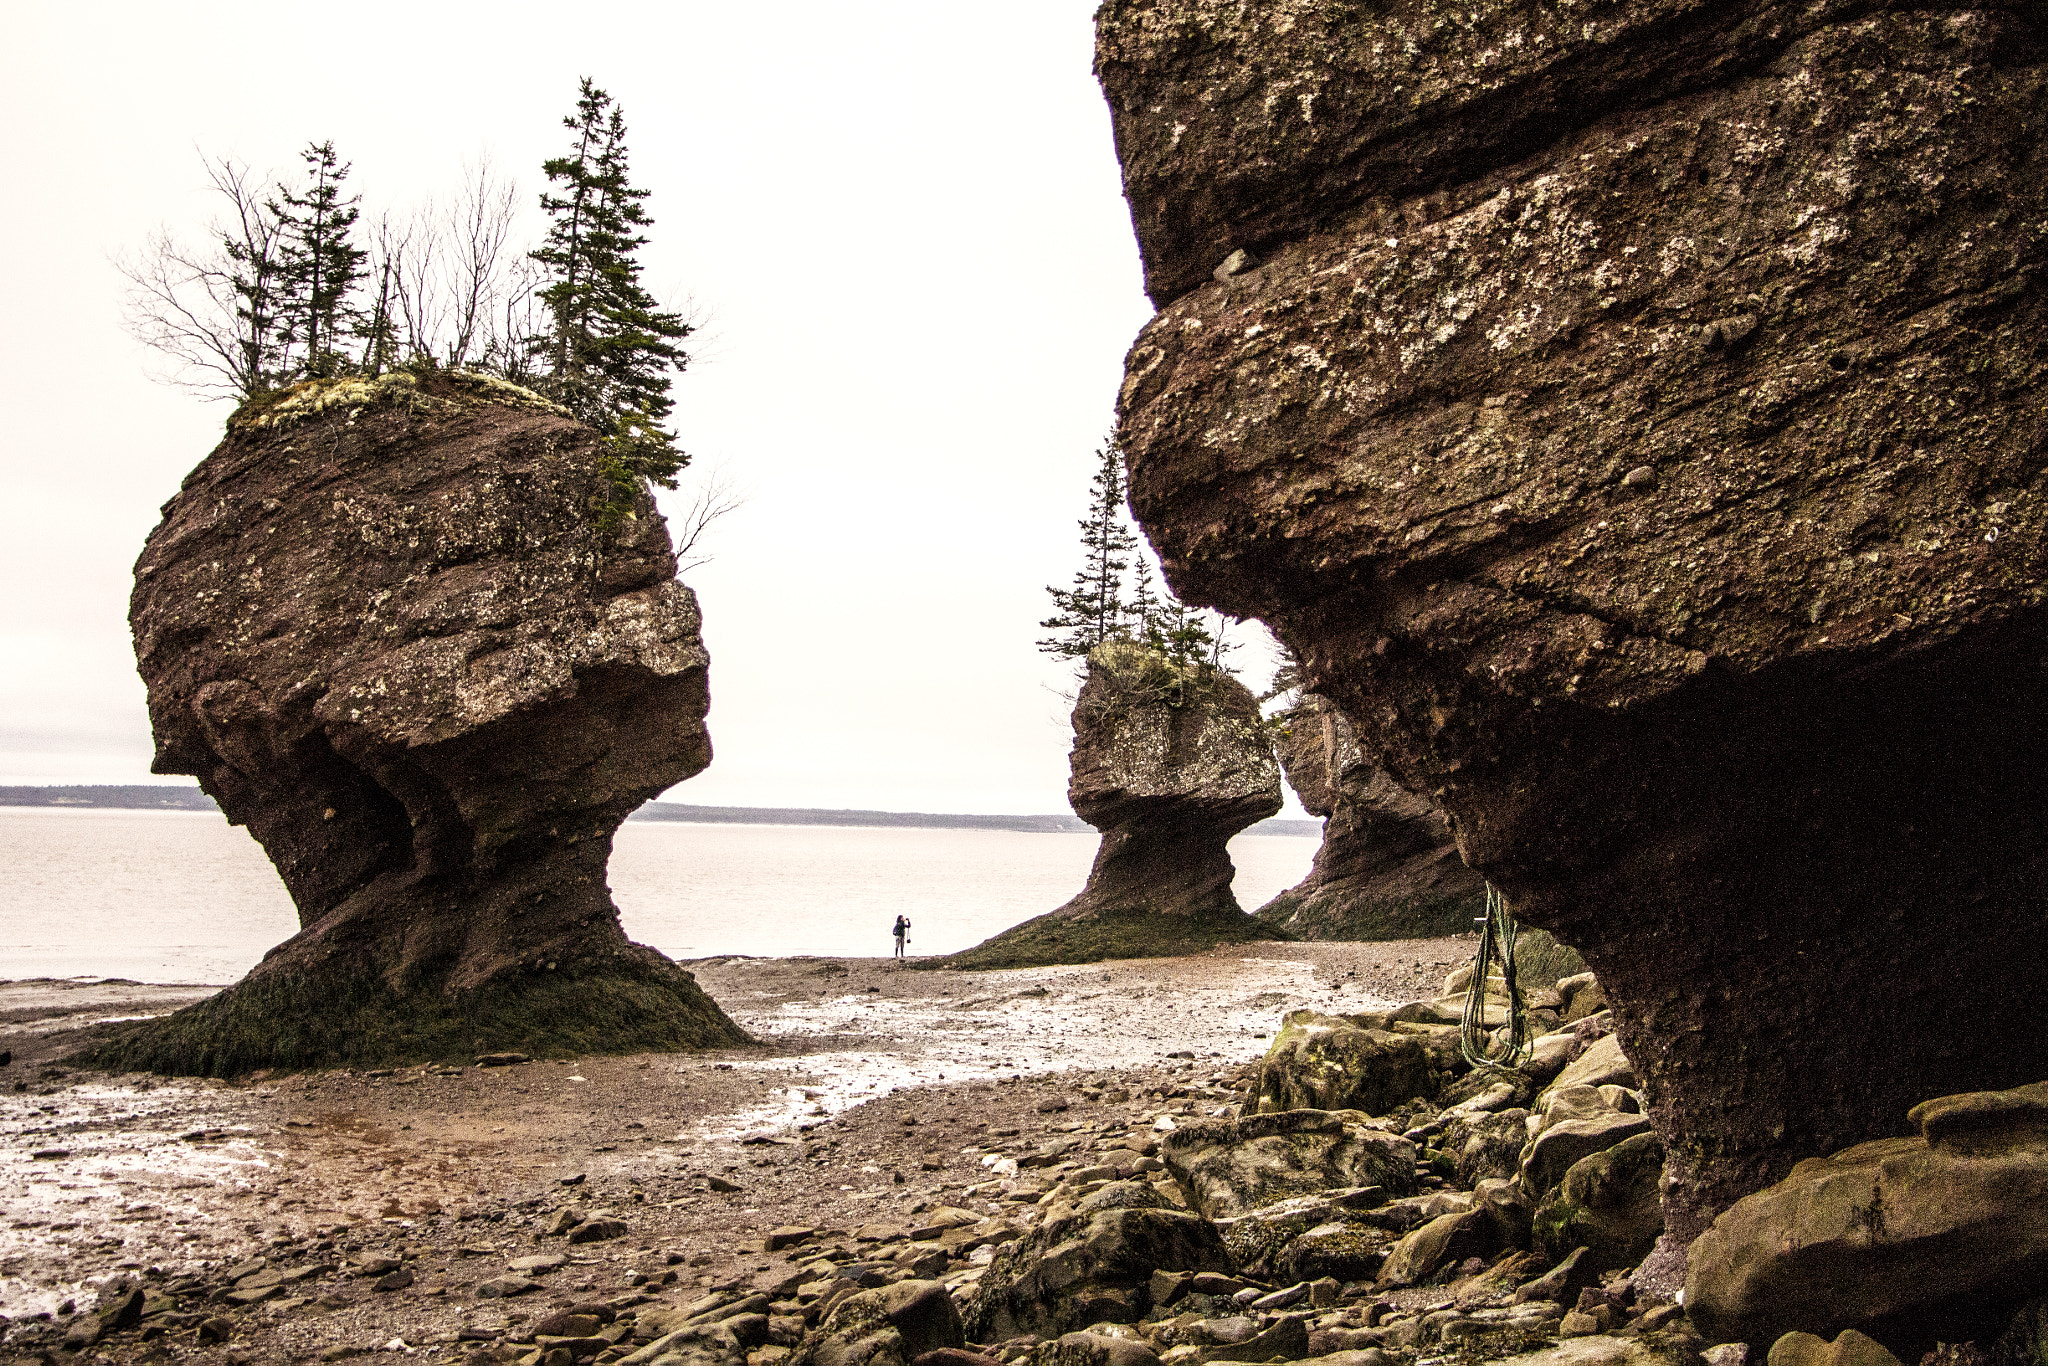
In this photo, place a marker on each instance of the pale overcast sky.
(902, 221)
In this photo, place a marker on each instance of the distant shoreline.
(178, 797)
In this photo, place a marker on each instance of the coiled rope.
(1497, 931)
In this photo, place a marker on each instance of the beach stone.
(1235, 1166)
(1169, 762)
(1329, 1062)
(890, 1326)
(431, 676)
(1285, 1340)
(1899, 1237)
(1089, 1262)
(1388, 866)
(1711, 732)
(544, 1261)
(1445, 1240)
(1560, 1145)
(505, 1287)
(1487, 1144)
(1607, 1204)
(1850, 1348)
(1602, 1064)
(1095, 1349)
(597, 1230)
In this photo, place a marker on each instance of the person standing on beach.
(902, 932)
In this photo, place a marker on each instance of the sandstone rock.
(1610, 1351)
(1447, 1239)
(1771, 710)
(1850, 1348)
(1329, 1062)
(1168, 763)
(1089, 1263)
(1559, 1146)
(1602, 1064)
(397, 630)
(1906, 1239)
(1388, 867)
(1487, 1145)
(890, 1326)
(1235, 1166)
(1607, 1204)
(1096, 1349)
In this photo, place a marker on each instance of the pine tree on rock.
(612, 351)
(319, 264)
(1094, 609)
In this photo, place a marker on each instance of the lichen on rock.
(389, 638)
(1634, 426)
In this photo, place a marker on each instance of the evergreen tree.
(612, 350)
(1094, 609)
(319, 263)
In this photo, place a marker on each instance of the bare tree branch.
(714, 498)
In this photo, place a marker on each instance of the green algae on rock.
(1169, 762)
(380, 626)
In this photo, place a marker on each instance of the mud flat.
(876, 1097)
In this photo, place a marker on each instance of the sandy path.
(872, 1090)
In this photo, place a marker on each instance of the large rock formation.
(414, 638)
(1388, 867)
(1169, 762)
(1634, 421)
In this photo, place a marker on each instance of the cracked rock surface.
(1634, 424)
(404, 633)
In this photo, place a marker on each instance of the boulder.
(1331, 1062)
(1094, 1349)
(1169, 762)
(1486, 1145)
(1602, 1064)
(888, 1326)
(1938, 1236)
(413, 636)
(1607, 1204)
(1559, 1146)
(1388, 867)
(1850, 1348)
(1089, 1263)
(1634, 428)
(1235, 1166)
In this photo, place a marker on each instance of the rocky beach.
(871, 1100)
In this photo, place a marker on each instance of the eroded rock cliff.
(415, 639)
(1169, 762)
(1633, 418)
(1387, 867)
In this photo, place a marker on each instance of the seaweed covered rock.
(1388, 867)
(1607, 1203)
(893, 1325)
(1234, 1166)
(1333, 1062)
(1635, 428)
(417, 638)
(1939, 1235)
(1169, 762)
(1091, 1262)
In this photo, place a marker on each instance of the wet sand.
(874, 1091)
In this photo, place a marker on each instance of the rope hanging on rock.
(1497, 931)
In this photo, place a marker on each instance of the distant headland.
(182, 797)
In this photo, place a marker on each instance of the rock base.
(632, 1002)
(1060, 938)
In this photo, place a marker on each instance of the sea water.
(182, 896)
